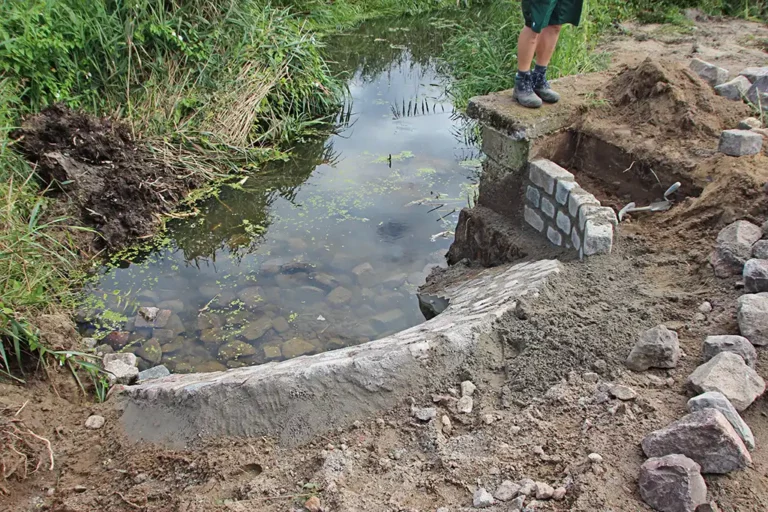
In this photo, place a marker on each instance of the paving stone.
(740, 345)
(749, 123)
(578, 198)
(657, 348)
(734, 247)
(718, 401)
(533, 196)
(554, 236)
(575, 239)
(563, 222)
(734, 90)
(740, 142)
(562, 190)
(548, 207)
(602, 213)
(757, 92)
(752, 74)
(752, 314)
(704, 436)
(545, 173)
(755, 275)
(710, 73)
(728, 374)
(156, 372)
(533, 218)
(672, 483)
(598, 237)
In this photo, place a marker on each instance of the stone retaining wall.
(569, 216)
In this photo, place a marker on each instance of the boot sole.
(550, 101)
(514, 97)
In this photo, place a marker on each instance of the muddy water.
(322, 251)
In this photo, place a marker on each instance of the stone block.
(728, 374)
(545, 173)
(740, 142)
(756, 275)
(510, 153)
(672, 483)
(563, 222)
(554, 236)
(533, 218)
(598, 237)
(752, 314)
(734, 247)
(576, 239)
(718, 401)
(758, 91)
(710, 73)
(548, 207)
(706, 437)
(740, 345)
(533, 196)
(734, 90)
(656, 348)
(578, 198)
(752, 74)
(591, 211)
(563, 190)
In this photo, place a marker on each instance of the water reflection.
(322, 251)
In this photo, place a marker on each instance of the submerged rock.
(339, 296)
(150, 351)
(296, 347)
(235, 349)
(256, 329)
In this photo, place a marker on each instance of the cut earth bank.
(546, 397)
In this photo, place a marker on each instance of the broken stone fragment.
(506, 491)
(710, 73)
(734, 247)
(464, 405)
(760, 250)
(120, 372)
(544, 491)
(622, 392)
(734, 90)
(756, 276)
(718, 401)
(156, 372)
(672, 483)
(424, 413)
(740, 143)
(752, 314)
(467, 388)
(728, 374)
(740, 345)
(657, 348)
(482, 498)
(704, 436)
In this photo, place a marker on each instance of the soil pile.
(104, 179)
(671, 102)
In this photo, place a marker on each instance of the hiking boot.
(523, 91)
(542, 88)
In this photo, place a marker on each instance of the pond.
(323, 251)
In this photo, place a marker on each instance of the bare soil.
(534, 415)
(103, 178)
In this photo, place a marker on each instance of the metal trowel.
(658, 206)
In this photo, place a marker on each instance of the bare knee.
(553, 29)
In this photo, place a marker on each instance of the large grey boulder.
(657, 348)
(729, 374)
(752, 313)
(752, 74)
(734, 247)
(740, 345)
(672, 483)
(740, 142)
(718, 401)
(704, 436)
(734, 90)
(710, 73)
(756, 275)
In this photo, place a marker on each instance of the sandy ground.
(534, 414)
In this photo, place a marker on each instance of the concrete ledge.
(297, 399)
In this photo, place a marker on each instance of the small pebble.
(527, 487)
(591, 377)
(489, 418)
(379, 422)
(559, 494)
(705, 307)
(622, 392)
(313, 504)
(425, 413)
(467, 388)
(80, 488)
(506, 491)
(517, 504)
(95, 422)
(447, 427)
(464, 405)
(514, 429)
(544, 491)
(482, 498)
(595, 457)
(699, 317)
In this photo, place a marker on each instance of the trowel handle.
(671, 190)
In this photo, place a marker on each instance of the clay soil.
(534, 415)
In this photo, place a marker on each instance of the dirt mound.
(672, 99)
(111, 183)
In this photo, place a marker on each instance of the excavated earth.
(534, 415)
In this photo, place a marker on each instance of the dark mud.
(104, 178)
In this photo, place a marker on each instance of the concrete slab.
(296, 399)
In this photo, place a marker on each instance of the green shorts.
(540, 14)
